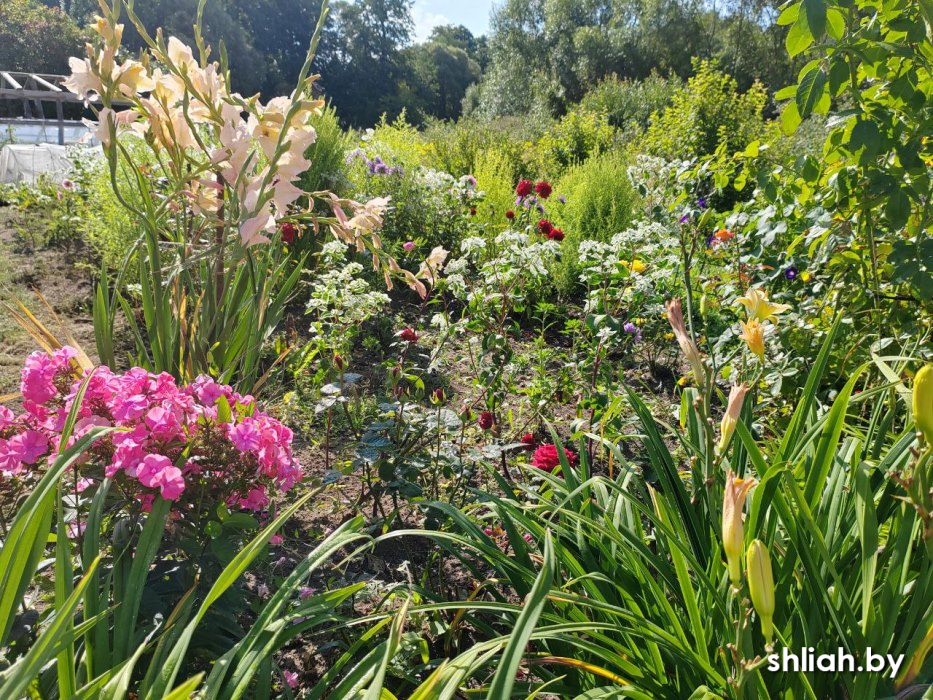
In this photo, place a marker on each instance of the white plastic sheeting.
(25, 163)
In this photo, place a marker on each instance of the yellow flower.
(733, 531)
(805, 276)
(923, 402)
(759, 308)
(761, 586)
(731, 417)
(636, 266)
(668, 336)
(753, 333)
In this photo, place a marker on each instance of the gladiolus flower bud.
(761, 586)
(733, 531)
(731, 417)
(923, 403)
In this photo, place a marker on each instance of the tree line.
(540, 57)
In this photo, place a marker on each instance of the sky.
(431, 13)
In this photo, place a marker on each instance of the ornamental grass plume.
(675, 316)
(733, 529)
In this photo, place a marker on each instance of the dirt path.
(58, 275)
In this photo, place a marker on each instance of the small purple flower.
(632, 329)
(471, 180)
(684, 219)
(291, 679)
(791, 272)
(562, 199)
(701, 202)
(710, 240)
(539, 208)
(408, 246)
(305, 592)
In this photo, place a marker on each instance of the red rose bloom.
(510, 215)
(543, 189)
(289, 233)
(545, 227)
(545, 457)
(524, 188)
(472, 211)
(529, 440)
(556, 234)
(485, 420)
(409, 335)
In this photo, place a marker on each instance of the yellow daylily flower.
(753, 333)
(759, 308)
(733, 530)
(637, 266)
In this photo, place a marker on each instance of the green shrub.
(601, 201)
(496, 172)
(707, 112)
(326, 155)
(107, 226)
(457, 147)
(577, 136)
(629, 104)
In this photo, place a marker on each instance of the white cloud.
(425, 21)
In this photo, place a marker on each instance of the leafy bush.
(600, 202)
(574, 138)
(707, 112)
(629, 104)
(326, 154)
(36, 38)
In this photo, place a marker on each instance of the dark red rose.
(556, 234)
(409, 335)
(529, 440)
(289, 233)
(485, 420)
(524, 188)
(545, 457)
(510, 215)
(543, 188)
(545, 227)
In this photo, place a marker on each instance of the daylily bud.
(731, 417)
(733, 531)
(675, 316)
(761, 586)
(923, 402)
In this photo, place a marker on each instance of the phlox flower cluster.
(197, 443)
